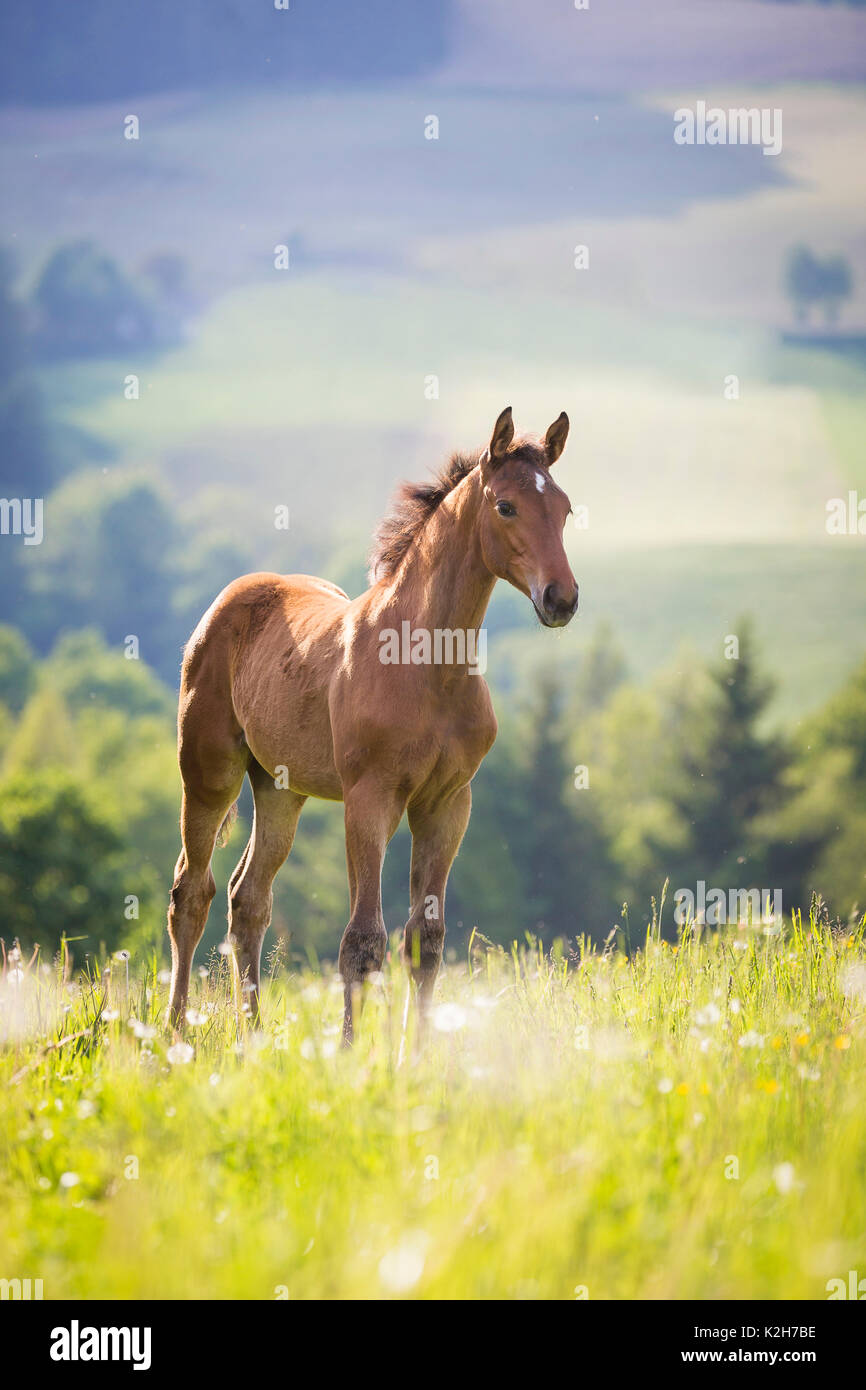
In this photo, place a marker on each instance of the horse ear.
(503, 433)
(554, 440)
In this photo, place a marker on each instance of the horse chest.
(462, 736)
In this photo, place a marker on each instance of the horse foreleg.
(436, 834)
(372, 815)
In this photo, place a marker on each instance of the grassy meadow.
(690, 1123)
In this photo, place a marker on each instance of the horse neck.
(444, 582)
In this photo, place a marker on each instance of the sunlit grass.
(688, 1125)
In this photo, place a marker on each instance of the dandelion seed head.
(401, 1268)
(449, 1018)
(708, 1015)
(143, 1031)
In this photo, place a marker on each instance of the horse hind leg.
(275, 820)
(213, 768)
(192, 892)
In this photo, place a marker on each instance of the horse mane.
(411, 506)
(414, 503)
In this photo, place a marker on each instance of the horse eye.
(505, 509)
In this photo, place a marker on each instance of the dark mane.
(414, 503)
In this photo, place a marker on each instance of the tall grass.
(687, 1123)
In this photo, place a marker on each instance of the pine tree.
(726, 775)
(566, 866)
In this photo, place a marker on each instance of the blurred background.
(257, 258)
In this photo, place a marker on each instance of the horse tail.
(225, 830)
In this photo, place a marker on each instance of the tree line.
(593, 796)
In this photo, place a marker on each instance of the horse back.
(266, 649)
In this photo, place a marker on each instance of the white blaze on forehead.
(539, 481)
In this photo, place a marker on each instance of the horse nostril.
(553, 601)
(555, 606)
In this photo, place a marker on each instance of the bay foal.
(284, 681)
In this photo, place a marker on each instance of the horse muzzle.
(555, 608)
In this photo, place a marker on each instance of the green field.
(688, 1125)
